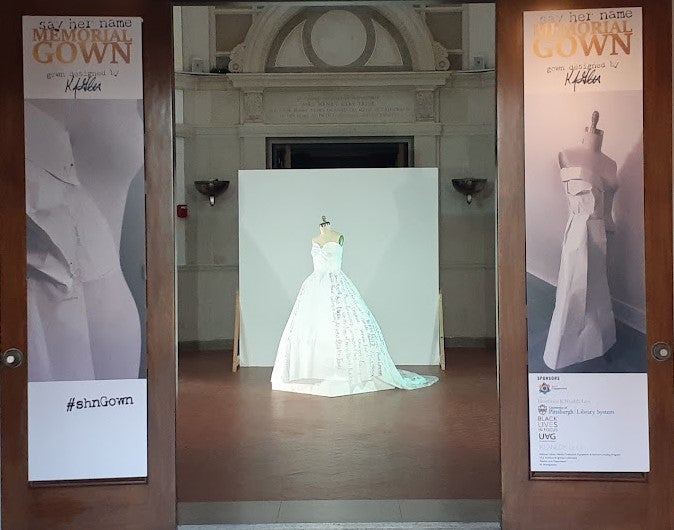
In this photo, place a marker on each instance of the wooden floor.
(239, 441)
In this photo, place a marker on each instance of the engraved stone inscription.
(338, 107)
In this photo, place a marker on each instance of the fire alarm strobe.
(182, 211)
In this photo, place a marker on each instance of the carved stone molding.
(236, 58)
(414, 30)
(252, 55)
(378, 80)
(441, 56)
(253, 105)
(424, 107)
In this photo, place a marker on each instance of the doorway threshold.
(346, 526)
(421, 514)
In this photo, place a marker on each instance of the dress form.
(583, 325)
(588, 155)
(327, 234)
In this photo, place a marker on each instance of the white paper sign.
(82, 57)
(584, 182)
(87, 430)
(587, 50)
(85, 225)
(588, 422)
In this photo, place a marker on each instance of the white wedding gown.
(332, 345)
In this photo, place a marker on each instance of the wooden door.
(147, 504)
(584, 501)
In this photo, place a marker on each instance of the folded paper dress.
(332, 345)
(82, 321)
(583, 324)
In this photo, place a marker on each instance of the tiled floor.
(347, 511)
(627, 355)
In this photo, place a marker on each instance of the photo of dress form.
(332, 345)
(583, 324)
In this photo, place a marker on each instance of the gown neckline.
(321, 246)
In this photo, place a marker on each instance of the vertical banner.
(85, 215)
(584, 180)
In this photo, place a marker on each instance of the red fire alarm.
(182, 211)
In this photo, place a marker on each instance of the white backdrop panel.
(389, 218)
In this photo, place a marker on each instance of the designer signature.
(588, 76)
(76, 84)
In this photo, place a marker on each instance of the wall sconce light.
(469, 187)
(211, 188)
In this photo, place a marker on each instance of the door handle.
(661, 351)
(12, 358)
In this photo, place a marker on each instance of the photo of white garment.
(83, 322)
(332, 344)
(583, 324)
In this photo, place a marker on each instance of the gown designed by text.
(332, 345)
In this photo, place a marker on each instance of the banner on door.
(584, 180)
(85, 215)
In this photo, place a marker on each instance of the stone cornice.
(380, 80)
(186, 130)
(305, 81)
(339, 129)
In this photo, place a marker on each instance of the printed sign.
(85, 215)
(584, 180)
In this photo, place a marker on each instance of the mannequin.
(588, 155)
(583, 324)
(327, 234)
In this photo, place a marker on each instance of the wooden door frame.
(153, 505)
(527, 503)
(148, 505)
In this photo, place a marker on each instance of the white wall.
(177, 39)
(481, 34)
(196, 37)
(389, 218)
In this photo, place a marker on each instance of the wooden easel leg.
(237, 320)
(441, 326)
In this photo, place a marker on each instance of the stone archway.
(396, 31)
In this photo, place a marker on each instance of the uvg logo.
(547, 436)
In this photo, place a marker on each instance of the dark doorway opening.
(322, 153)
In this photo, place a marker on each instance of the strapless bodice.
(327, 257)
(584, 192)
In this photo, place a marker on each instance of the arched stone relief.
(416, 34)
(251, 54)
(345, 39)
(296, 39)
